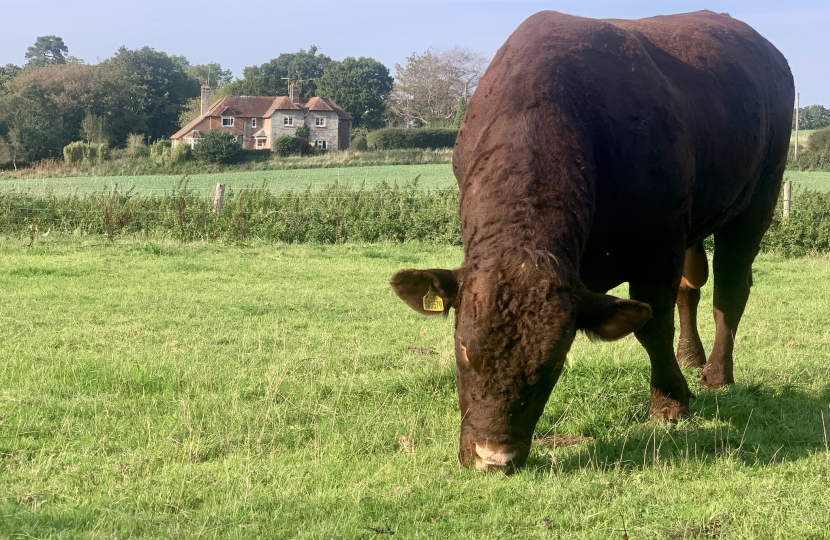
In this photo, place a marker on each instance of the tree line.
(56, 99)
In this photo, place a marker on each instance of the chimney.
(205, 98)
(294, 93)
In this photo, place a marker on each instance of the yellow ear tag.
(433, 302)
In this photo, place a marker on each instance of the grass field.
(434, 175)
(154, 390)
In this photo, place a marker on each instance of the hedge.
(394, 138)
(336, 214)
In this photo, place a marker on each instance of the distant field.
(429, 176)
(802, 135)
(818, 181)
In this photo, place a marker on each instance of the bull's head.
(512, 332)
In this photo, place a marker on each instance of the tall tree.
(359, 86)
(7, 73)
(212, 72)
(426, 91)
(272, 77)
(47, 50)
(34, 124)
(156, 87)
(812, 117)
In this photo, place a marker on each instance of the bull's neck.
(533, 205)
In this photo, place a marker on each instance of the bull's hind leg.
(736, 246)
(695, 273)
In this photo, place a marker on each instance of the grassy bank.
(161, 390)
(254, 161)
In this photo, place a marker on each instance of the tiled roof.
(281, 103)
(261, 133)
(256, 107)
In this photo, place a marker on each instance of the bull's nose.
(493, 457)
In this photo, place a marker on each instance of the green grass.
(817, 181)
(430, 176)
(162, 390)
(803, 134)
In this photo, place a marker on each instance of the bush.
(135, 145)
(390, 138)
(286, 145)
(217, 147)
(819, 141)
(359, 143)
(74, 152)
(79, 151)
(164, 154)
(303, 132)
(806, 231)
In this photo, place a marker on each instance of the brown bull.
(597, 152)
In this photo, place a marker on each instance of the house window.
(260, 144)
(288, 121)
(319, 121)
(253, 122)
(192, 142)
(319, 143)
(227, 121)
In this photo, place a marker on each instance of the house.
(256, 121)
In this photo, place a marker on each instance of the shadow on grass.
(751, 424)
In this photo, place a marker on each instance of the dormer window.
(227, 121)
(253, 122)
(319, 121)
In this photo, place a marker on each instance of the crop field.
(429, 176)
(168, 390)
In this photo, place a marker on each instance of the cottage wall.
(278, 127)
(328, 132)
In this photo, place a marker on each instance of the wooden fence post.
(788, 191)
(218, 197)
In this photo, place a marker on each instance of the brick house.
(256, 121)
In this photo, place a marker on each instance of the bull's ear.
(427, 291)
(608, 318)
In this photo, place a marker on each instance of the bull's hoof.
(668, 409)
(713, 377)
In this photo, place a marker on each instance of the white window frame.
(261, 142)
(228, 118)
(288, 120)
(253, 122)
(320, 121)
(320, 143)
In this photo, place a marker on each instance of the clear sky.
(243, 33)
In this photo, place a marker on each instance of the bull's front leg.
(669, 391)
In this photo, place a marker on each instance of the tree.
(217, 147)
(47, 50)
(459, 112)
(35, 125)
(156, 88)
(812, 117)
(212, 72)
(192, 110)
(360, 86)
(427, 89)
(268, 79)
(94, 129)
(7, 73)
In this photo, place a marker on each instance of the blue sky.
(238, 34)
